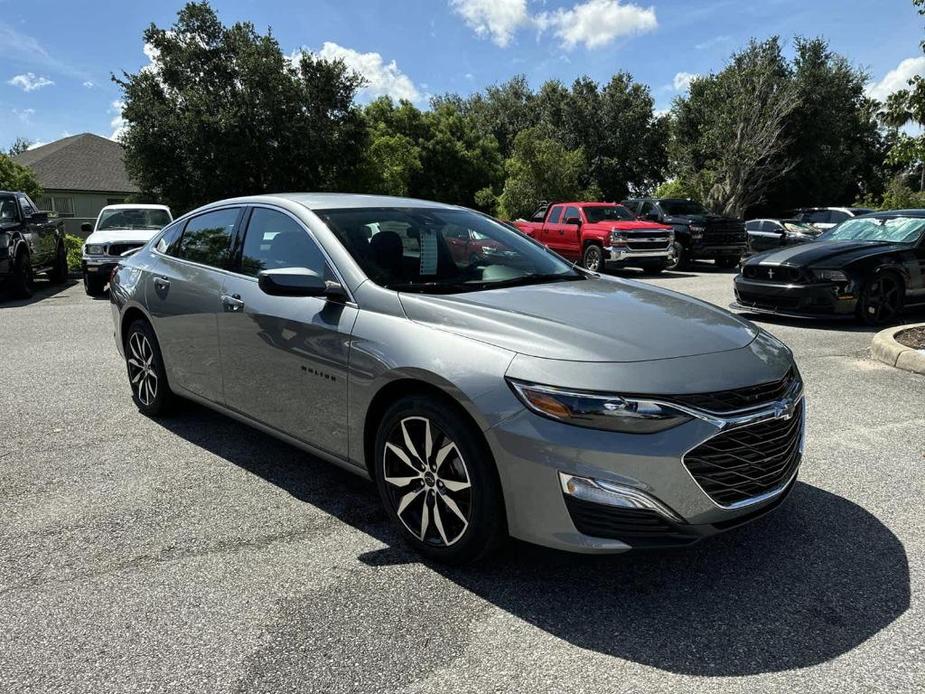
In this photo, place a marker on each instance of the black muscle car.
(868, 267)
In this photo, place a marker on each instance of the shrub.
(73, 245)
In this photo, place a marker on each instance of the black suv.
(29, 243)
(698, 232)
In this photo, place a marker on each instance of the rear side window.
(837, 216)
(275, 240)
(167, 243)
(752, 226)
(817, 217)
(556, 214)
(207, 238)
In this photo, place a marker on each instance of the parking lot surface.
(194, 554)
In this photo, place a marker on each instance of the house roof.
(80, 162)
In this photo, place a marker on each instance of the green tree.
(730, 140)
(222, 112)
(540, 169)
(20, 145)
(14, 176)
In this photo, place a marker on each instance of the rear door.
(183, 294)
(284, 358)
(40, 235)
(551, 225)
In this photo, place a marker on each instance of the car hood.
(601, 320)
(627, 225)
(698, 219)
(824, 253)
(121, 236)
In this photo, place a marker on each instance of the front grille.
(725, 401)
(648, 241)
(748, 461)
(635, 527)
(775, 273)
(772, 302)
(724, 232)
(120, 248)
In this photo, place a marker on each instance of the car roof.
(334, 201)
(139, 206)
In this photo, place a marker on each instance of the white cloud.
(495, 19)
(29, 81)
(382, 78)
(37, 143)
(682, 81)
(89, 85)
(24, 114)
(596, 23)
(897, 78)
(118, 122)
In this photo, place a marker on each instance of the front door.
(183, 295)
(284, 358)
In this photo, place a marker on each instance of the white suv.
(824, 218)
(119, 229)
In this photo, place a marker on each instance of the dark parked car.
(870, 267)
(698, 232)
(30, 243)
(765, 234)
(507, 394)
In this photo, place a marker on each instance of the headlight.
(831, 275)
(95, 249)
(697, 230)
(617, 237)
(598, 410)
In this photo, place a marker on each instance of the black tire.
(146, 374)
(593, 258)
(422, 494)
(21, 277)
(94, 286)
(881, 299)
(678, 257)
(728, 262)
(58, 274)
(654, 268)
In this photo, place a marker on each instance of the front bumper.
(667, 506)
(701, 250)
(100, 266)
(626, 256)
(817, 300)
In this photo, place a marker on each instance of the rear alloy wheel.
(676, 257)
(58, 273)
(146, 373)
(21, 280)
(881, 299)
(593, 258)
(437, 482)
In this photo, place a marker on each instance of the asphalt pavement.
(195, 554)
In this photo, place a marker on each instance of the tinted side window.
(838, 216)
(647, 208)
(752, 226)
(556, 214)
(817, 217)
(167, 243)
(276, 240)
(207, 238)
(571, 212)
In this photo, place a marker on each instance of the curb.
(885, 348)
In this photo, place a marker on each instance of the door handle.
(161, 282)
(233, 303)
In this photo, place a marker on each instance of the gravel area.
(913, 337)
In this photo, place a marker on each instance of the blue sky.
(56, 57)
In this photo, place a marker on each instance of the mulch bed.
(913, 337)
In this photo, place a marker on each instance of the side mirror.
(573, 220)
(87, 227)
(298, 281)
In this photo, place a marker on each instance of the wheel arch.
(129, 316)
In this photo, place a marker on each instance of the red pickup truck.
(600, 233)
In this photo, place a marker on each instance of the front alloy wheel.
(593, 258)
(881, 299)
(437, 480)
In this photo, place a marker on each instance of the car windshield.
(444, 251)
(893, 229)
(607, 213)
(682, 207)
(139, 218)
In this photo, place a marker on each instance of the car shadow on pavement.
(41, 290)
(804, 585)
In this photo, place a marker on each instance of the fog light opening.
(612, 494)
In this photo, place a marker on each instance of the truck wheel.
(94, 286)
(593, 258)
(21, 280)
(58, 273)
(677, 257)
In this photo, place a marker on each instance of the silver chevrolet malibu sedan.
(487, 386)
